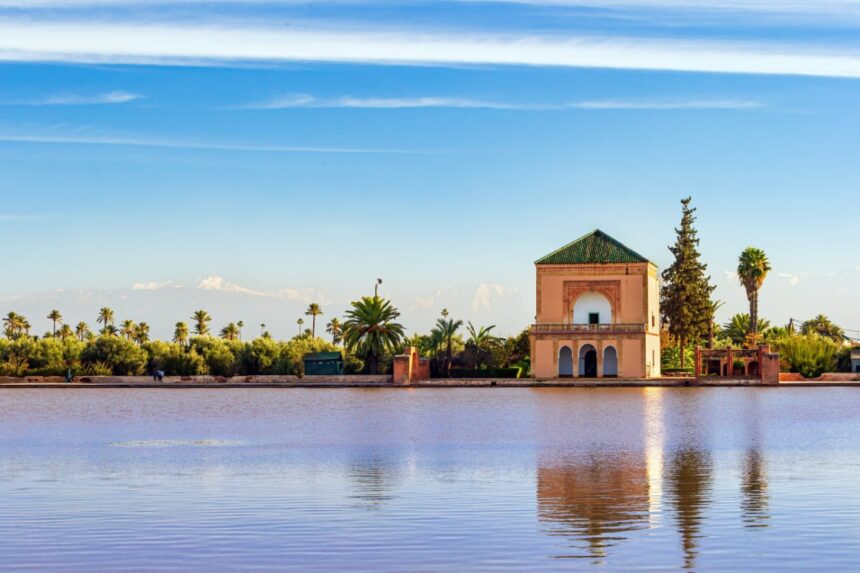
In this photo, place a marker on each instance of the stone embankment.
(384, 381)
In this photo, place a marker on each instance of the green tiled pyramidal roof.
(595, 247)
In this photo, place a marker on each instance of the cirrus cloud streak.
(152, 43)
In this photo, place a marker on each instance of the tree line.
(689, 312)
(368, 335)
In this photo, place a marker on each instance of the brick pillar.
(730, 362)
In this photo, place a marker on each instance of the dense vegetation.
(368, 337)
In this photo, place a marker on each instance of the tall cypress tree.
(685, 298)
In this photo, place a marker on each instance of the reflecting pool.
(482, 479)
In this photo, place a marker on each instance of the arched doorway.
(752, 369)
(588, 362)
(610, 362)
(565, 362)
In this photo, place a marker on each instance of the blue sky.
(308, 148)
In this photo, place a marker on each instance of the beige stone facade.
(597, 312)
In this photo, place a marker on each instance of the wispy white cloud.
(76, 137)
(424, 303)
(309, 101)
(152, 285)
(760, 6)
(487, 293)
(21, 217)
(791, 279)
(118, 42)
(108, 98)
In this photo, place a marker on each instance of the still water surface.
(432, 479)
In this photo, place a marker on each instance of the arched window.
(610, 362)
(565, 362)
(592, 308)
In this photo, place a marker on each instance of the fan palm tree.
(141, 333)
(262, 328)
(127, 328)
(738, 327)
(240, 325)
(479, 338)
(753, 267)
(300, 322)
(81, 330)
(313, 311)
(230, 332)
(65, 332)
(55, 317)
(822, 326)
(201, 320)
(335, 328)
(370, 330)
(448, 327)
(105, 319)
(180, 334)
(432, 344)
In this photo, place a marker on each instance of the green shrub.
(810, 356)
(259, 356)
(124, 357)
(485, 373)
(670, 357)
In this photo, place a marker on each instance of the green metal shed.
(323, 364)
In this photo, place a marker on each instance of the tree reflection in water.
(755, 501)
(594, 500)
(689, 478)
(374, 479)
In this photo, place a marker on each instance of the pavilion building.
(598, 312)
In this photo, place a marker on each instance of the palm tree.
(230, 332)
(180, 334)
(105, 319)
(54, 316)
(201, 320)
(65, 332)
(300, 322)
(81, 330)
(141, 333)
(262, 328)
(448, 327)
(313, 311)
(240, 325)
(127, 328)
(822, 326)
(479, 338)
(335, 328)
(738, 327)
(14, 325)
(753, 267)
(370, 331)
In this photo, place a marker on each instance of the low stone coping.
(362, 381)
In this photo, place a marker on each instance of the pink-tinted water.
(489, 479)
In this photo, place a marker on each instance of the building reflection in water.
(593, 501)
(598, 499)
